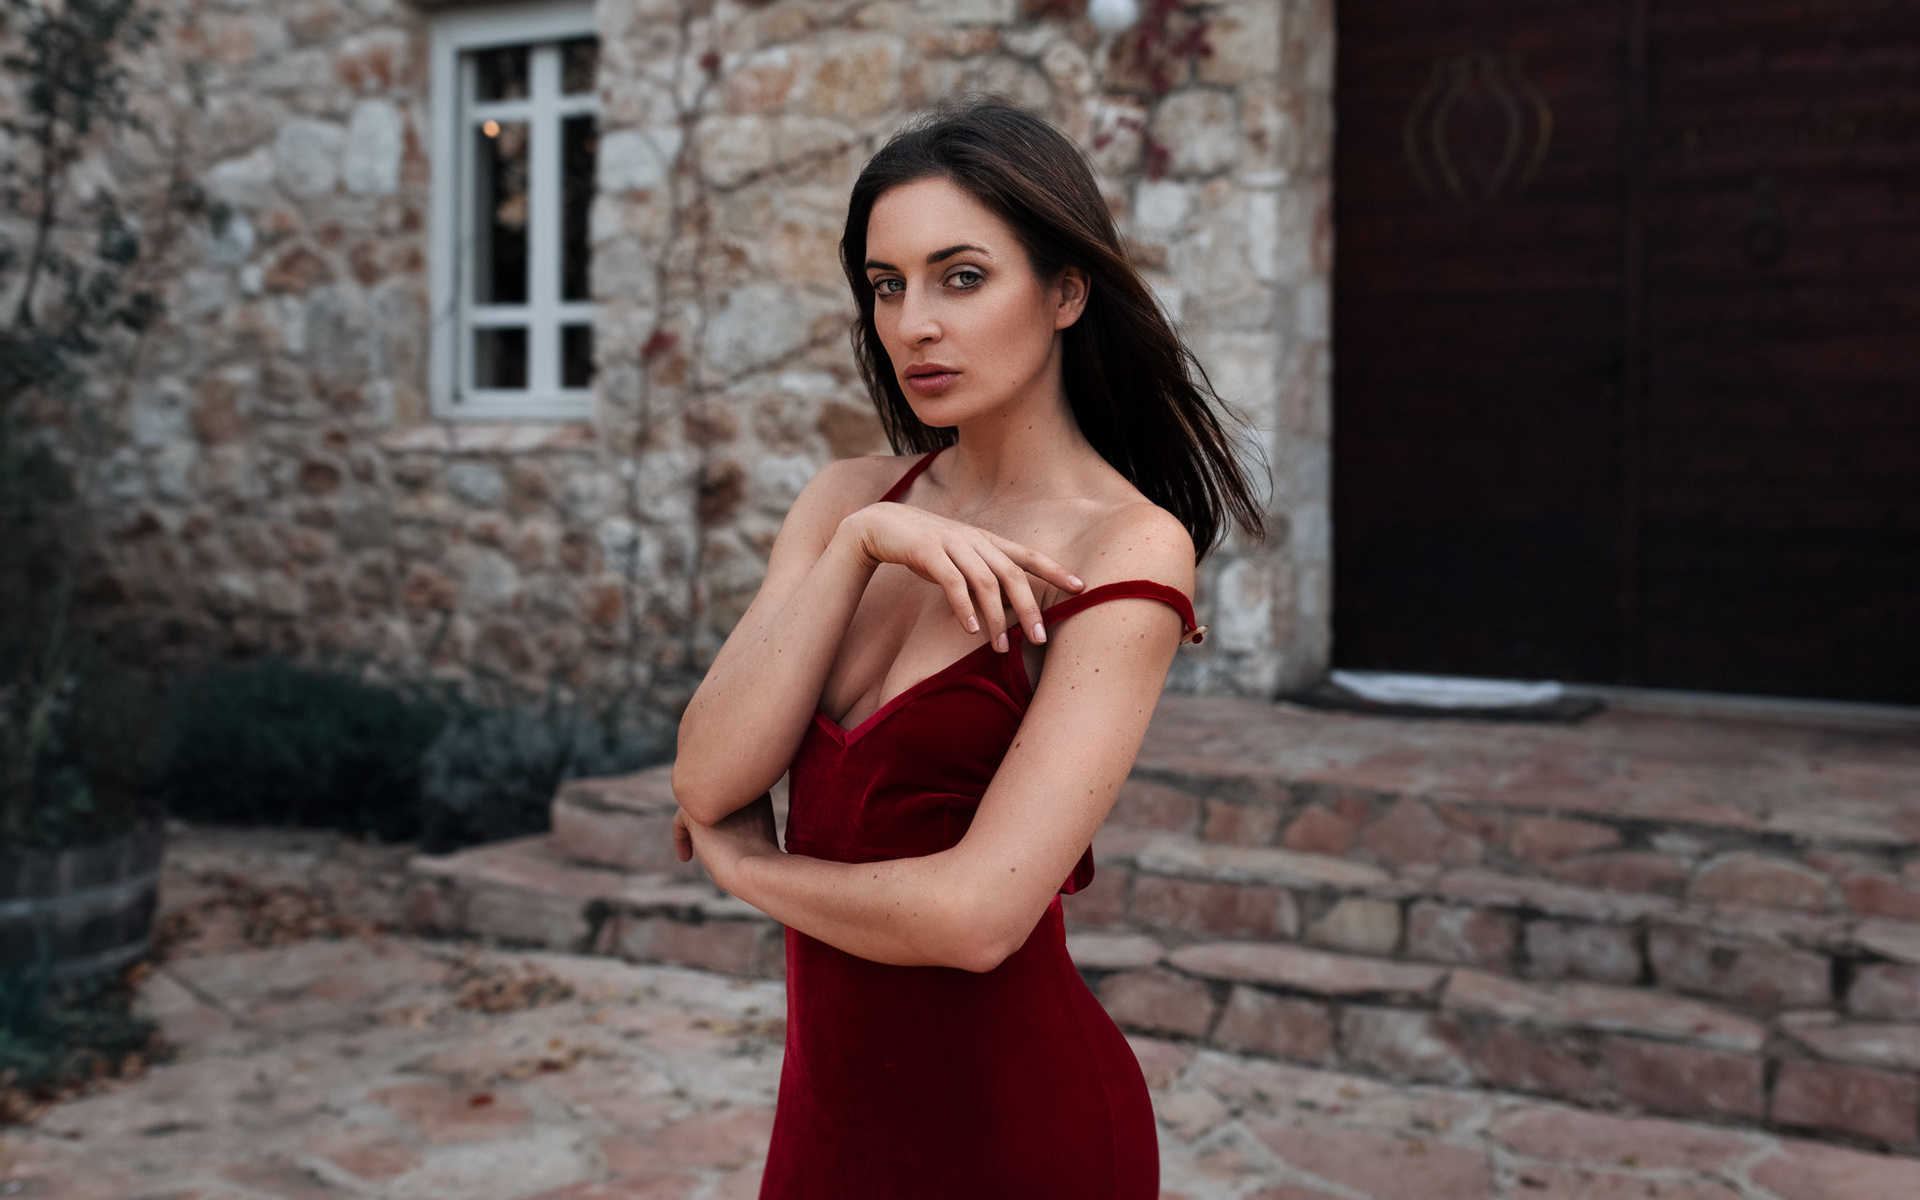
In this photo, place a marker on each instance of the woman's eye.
(886, 287)
(965, 279)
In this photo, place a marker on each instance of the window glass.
(501, 74)
(579, 59)
(577, 145)
(500, 358)
(512, 231)
(576, 356)
(500, 212)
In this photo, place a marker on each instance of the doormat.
(1387, 694)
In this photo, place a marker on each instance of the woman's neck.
(1025, 450)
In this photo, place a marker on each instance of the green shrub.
(493, 772)
(280, 745)
(77, 747)
(82, 271)
(45, 793)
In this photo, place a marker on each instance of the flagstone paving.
(369, 1065)
(329, 1069)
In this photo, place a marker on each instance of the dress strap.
(1144, 589)
(899, 489)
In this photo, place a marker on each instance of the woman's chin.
(940, 412)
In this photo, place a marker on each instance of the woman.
(939, 1040)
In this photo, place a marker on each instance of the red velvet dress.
(930, 1083)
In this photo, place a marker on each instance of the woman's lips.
(931, 380)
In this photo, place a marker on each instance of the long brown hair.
(1140, 396)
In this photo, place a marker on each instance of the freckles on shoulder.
(1142, 541)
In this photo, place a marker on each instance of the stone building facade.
(290, 485)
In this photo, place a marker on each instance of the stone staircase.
(1707, 918)
(604, 881)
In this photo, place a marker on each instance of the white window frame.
(455, 315)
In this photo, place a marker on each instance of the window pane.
(501, 74)
(577, 145)
(500, 212)
(500, 358)
(579, 59)
(576, 356)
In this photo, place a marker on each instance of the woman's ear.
(1072, 290)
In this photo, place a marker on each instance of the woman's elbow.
(977, 954)
(974, 954)
(702, 801)
(982, 940)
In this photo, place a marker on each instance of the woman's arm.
(973, 905)
(744, 724)
(768, 675)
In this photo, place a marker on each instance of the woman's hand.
(743, 833)
(982, 573)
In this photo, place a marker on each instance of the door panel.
(1647, 409)
(1781, 526)
(1478, 340)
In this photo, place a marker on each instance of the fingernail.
(973, 626)
(1039, 634)
(1000, 643)
(1075, 581)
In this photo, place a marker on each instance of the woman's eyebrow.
(950, 251)
(874, 264)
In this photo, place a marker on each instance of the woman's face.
(968, 326)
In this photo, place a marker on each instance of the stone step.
(626, 822)
(1802, 818)
(529, 892)
(1598, 1045)
(1763, 960)
(1758, 960)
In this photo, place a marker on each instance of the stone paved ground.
(368, 1065)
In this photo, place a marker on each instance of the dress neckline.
(1147, 589)
(846, 735)
(1125, 588)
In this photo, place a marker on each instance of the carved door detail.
(1517, 126)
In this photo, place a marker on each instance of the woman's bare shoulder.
(1135, 539)
(848, 484)
(859, 475)
(837, 491)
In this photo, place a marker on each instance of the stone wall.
(284, 487)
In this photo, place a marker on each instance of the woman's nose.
(917, 321)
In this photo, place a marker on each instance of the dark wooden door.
(1627, 342)
(1780, 512)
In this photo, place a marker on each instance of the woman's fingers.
(985, 585)
(1035, 563)
(1019, 596)
(954, 584)
(982, 573)
(682, 837)
(996, 578)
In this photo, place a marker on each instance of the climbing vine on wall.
(1170, 39)
(1160, 50)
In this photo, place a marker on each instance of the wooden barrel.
(95, 903)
